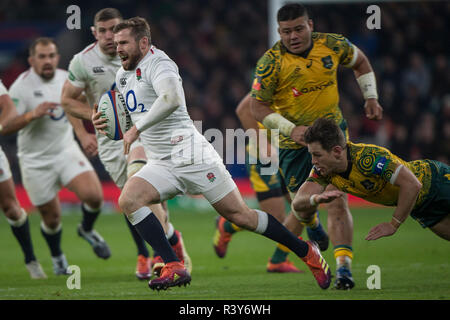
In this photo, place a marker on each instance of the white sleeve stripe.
(395, 175)
(355, 56)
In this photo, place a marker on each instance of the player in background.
(49, 156)
(15, 214)
(92, 72)
(168, 134)
(295, 83)
(270, 191)
(419, 188)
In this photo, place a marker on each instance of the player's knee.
(127, 204)
(12, 210)
(52, 222)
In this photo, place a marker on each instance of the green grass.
(414, 264)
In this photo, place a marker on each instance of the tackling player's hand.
(328, 196)
(99, 123)
(384, 229)
(129, 137)
(373, 109)
(45, 108)
(297, 135)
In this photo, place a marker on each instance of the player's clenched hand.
(129, 137)
(328, 196)
(89, 144)
(45, 108)
(384, 229)
(373, 109)
(99, 123)
(298, 133)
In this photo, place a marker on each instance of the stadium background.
(216, 45)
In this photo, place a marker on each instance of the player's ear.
(311, 24)
(94, 32)
(30, 60)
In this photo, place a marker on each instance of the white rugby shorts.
(211, 179)
(43, 181)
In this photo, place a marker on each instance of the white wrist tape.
(312, 200)
(277, 121)
(368, 85)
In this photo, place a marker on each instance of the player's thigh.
(154, 183)
(442, 228)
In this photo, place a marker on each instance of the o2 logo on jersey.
(57, 113)
(132, 103)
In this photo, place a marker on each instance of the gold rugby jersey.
(369, 172)
(303, 87)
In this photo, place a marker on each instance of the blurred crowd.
(216, 45)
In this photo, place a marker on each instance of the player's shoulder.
(329, 40)
(22, 80)
(368, 156)
(88, 53)
(273, 55)
(156, 56)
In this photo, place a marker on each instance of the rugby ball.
(114, 110)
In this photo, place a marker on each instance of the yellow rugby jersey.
(303, 88)
(370, 170)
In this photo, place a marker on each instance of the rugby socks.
(89, 217)
(53, 238)
(172, 236)
(280, 254)
(231, 227)
(269, 227)
(140, 243)
(313, 223)
(150, 229)
(21, 230)
(344, 256)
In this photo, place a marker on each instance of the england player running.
(15, 215)
(49, 156)
(93, 72)
(180, 159)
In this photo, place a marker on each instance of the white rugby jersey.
(95, 72)
(44, 138)
(174, 134)
(2, 88)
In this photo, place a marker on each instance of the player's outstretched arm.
(366, 79)
(310, 195)
(409, 188)
(72, 104)
(21, 121)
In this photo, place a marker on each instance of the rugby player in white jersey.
(180, 159)
(49, 156)
(93, 72)
(15, 215)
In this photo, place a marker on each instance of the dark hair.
(291, 11)
(326, 132)
(139, 28)
(42, 40)
(107, 14)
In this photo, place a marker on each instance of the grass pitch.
(414, 264)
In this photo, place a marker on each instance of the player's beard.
(133, 60)
(47, 73)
